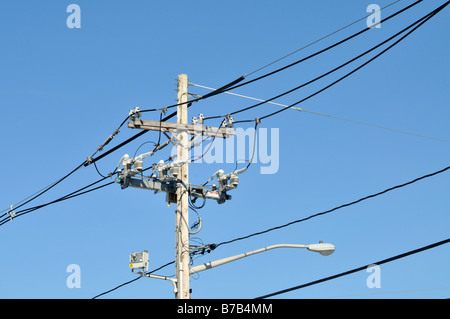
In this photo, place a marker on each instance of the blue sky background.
(64, 91)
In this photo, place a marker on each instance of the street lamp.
(321, 248)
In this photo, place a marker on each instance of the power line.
(214, 246)
(326, 115)
(86, 163)
(43, 191)
(385, 292)
(324, 74)
(335, 208)
(230, 86)
(7, 210)
(234, 84)
(76, 193)
(318, 40)
(384, 261)
(90, 160)
(423, 20)
(219, 90)
(133, 280)
(323, 50)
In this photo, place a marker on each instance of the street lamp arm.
(226, 260)
(172, 280)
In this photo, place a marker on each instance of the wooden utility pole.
(182, 212)
(177, 186)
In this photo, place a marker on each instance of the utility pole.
(173, 179)
(182, 211)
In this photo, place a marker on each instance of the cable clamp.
(257, 120)
(12, 213)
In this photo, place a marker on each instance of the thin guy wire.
(327, 115)
(323, 38)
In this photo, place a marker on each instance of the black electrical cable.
(96, 168)
(160, 129)
(423, 20)
(335, 208)
(63, 198)
(233, 85)
(322, 38)
(214, 246)
(229, 86)
(76, 193)
(192, 202)
(324, 50)
(218, 91)
(323, 75)
(384, 261)
(45, 190)
(257, 121)
(129, 282)
(210, 144)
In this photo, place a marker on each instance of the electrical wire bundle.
(14, 212)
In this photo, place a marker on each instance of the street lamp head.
(321, 248)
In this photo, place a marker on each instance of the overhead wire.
(323, 50)
(420, 23)
(354, 270)
(335, 208)
(234, 84)
(7, 217)
(42, 192)
(93, 160)
(384, 292)
(210, 144)
(133, 280)
(320, 39)
(231, 85)
(219, 90)
(327, 115)
(214, 246)
(76, 193)
(321, 76)
(5, 211)
(173, 262)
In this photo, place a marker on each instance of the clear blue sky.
(64, 91)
